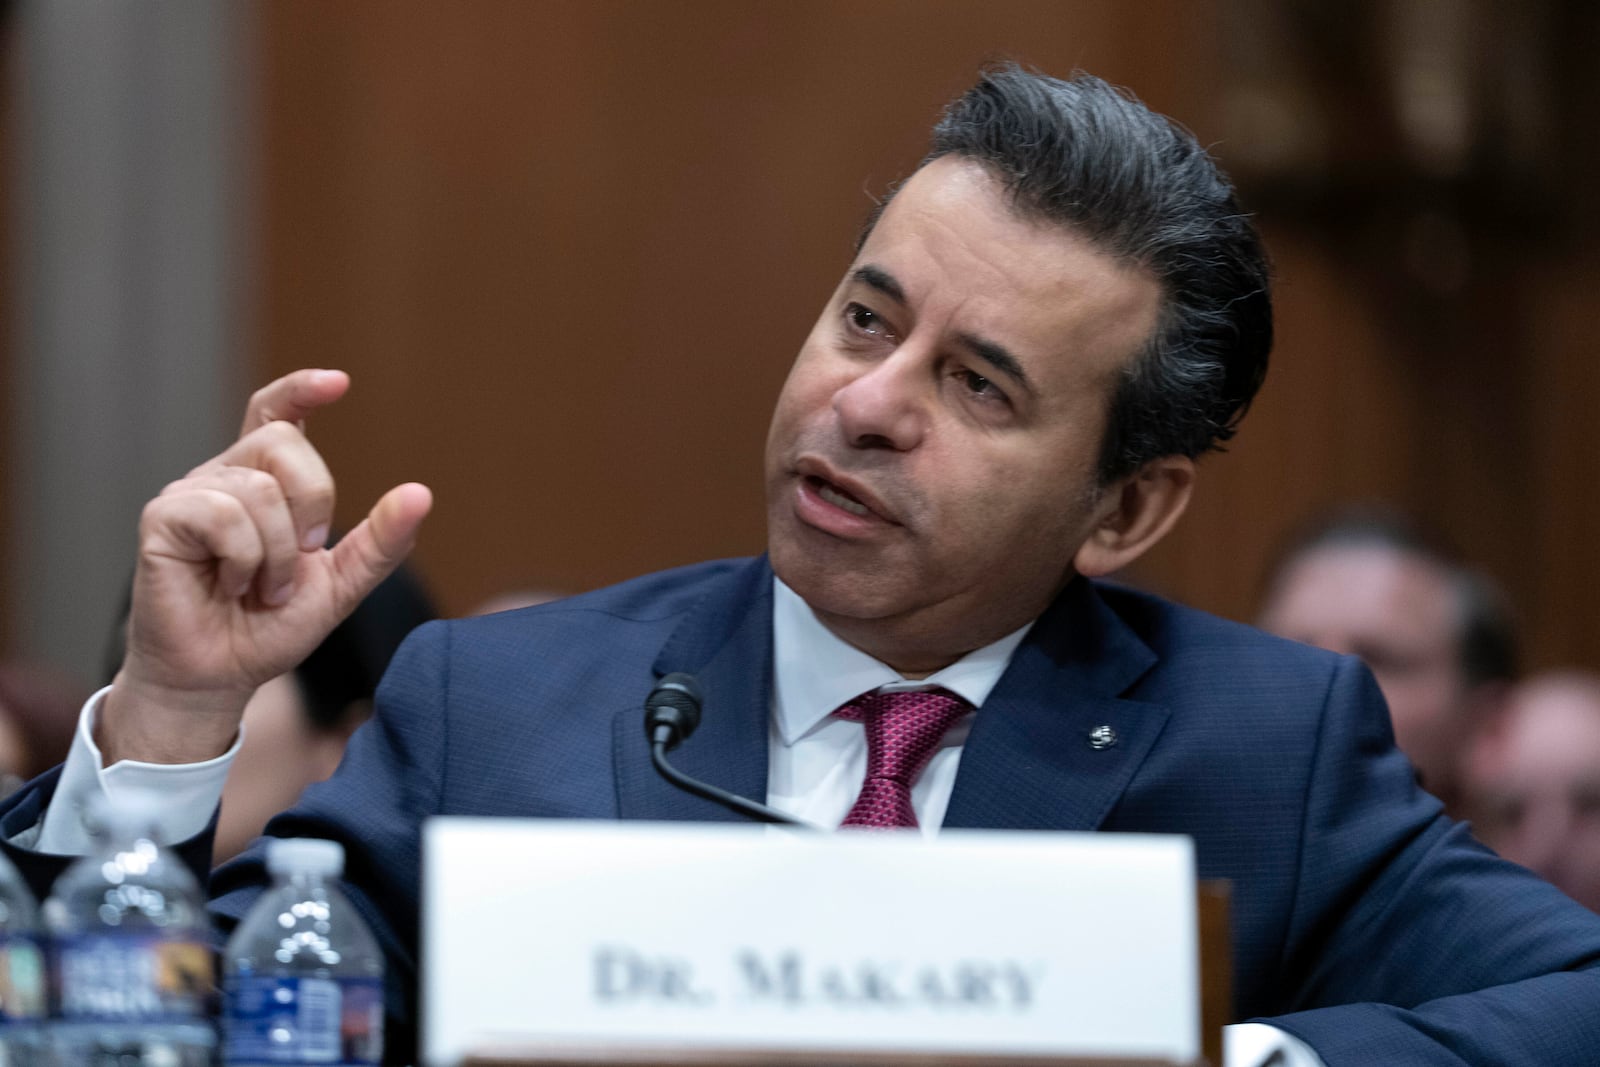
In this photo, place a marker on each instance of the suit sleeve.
(22, 813)
(1410, 942)
(389, 781)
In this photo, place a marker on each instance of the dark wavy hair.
(1090, 157)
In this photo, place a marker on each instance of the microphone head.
(672, 710)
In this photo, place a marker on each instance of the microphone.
(672, 710)
(671, 714)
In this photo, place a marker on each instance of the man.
(1003, 399)
(1436, 635)
(1532, 782)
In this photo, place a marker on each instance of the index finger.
(293, 397)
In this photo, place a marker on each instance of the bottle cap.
(310, 855)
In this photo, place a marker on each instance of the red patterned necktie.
(903, 732)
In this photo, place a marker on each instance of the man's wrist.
(189, 792)
(153, 724)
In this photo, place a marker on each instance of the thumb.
(369, 553)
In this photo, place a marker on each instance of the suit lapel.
(725, 641)
(1029, 763)
(1036, 758)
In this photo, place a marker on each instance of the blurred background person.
(1437, 635)
(1531, 781)
(38, 711)
(296, 726)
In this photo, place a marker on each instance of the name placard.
(643, 935)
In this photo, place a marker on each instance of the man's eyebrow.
(998, 357)
(881, 280)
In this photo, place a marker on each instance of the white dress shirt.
(815, 767)
(816, 762)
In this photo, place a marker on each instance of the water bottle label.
(133, 976)
(22, 979)
(282, 1020)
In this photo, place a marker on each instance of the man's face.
(1534, 785)
(931, 465)
(1399, 614)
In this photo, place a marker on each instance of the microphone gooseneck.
(671, 715)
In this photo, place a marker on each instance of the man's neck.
(912, 654)
(923, 639)
(815, 671)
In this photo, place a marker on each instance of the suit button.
(1102, 737)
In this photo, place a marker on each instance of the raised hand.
(233, 585)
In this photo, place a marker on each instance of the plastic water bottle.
(134, 979)
(22, 972)
(303, 977)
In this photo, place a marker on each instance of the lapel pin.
(1102, 737)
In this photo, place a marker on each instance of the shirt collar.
(815, 672)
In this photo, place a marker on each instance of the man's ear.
(1136, 512)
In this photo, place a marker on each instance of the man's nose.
(885, 406)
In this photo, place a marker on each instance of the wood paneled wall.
(567, 250)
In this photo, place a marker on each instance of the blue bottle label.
(22, 979)
(138, 976)
(286, 1020)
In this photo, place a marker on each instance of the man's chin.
(843, 592)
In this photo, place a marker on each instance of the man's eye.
(978, 385)
(865, 320)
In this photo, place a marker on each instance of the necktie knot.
(903, 730)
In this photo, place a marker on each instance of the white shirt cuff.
(1260, 1045)
(189, 792)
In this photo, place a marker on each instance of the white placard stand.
(635, 936)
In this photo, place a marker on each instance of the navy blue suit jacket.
(1364, 921)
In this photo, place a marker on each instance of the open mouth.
(839, 498)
